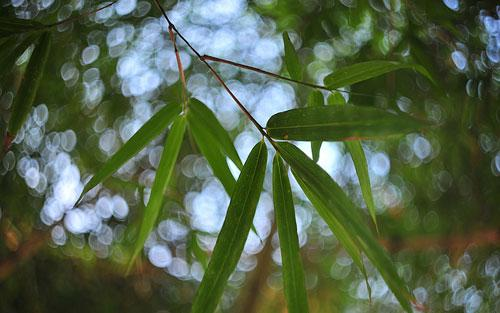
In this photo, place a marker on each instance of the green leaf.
(234, 231)
(13, 26)
(200, 114)
(339, 123)
(162, 178)
(291, 59)
(359, 159)
(333, 206)
(149, 131)
(293, 273)
(315, 99)
(12, 49)
(215, 158)
(363, 71)
(29, 84)
(361, 166)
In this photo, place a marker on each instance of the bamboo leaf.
(315, 99)
(13, 26)
(320, 188)
(234, 231)
(363, 71)
(200, 114)
(12, 49)
(149, 131)
(29, 85)
(291, 59)
(215, 158)
(361, 166)
(162, 178)
(339, 123)
(293, 273)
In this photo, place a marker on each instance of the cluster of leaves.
(315, 123)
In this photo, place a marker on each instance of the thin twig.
(214, 72)
(261, 71)
(179, 67)
(85, 14)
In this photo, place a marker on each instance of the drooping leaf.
(149, 131)
(321, 188)
(29, 84)
(291, 59)
(361, 166)
(12, 49)
(363, 71)
(206, 119)
(13, 26)
(162, 178)
(194, 247)
(339, 123)
(315, 99)
(234, 232)
(214, 156)
(293, 273)
(359, 159)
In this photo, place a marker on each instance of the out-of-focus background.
(437, 192)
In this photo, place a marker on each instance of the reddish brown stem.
(179, 66)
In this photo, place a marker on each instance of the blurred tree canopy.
(112, 68)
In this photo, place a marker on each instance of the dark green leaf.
(334, 203)
(12, 49)
(339, 123)
(149, 131)
(315, 99)
(293, 273)
(13, 26)
(206, 120)
(361, 166)
(162, 178)
(291, 59)
(234, 231)
(29, 84)
(363, 71)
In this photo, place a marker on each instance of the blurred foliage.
(436, 192)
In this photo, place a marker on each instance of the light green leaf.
(339, 123)
(149, 131)
(322, 189)
(215, 158)
(234, 232)
(335, 98)
(315, 99)
(162, 178)
(293, 273)
(29, 84)
(206, 119)
(291, 59)
(13, 26)
(363, 71)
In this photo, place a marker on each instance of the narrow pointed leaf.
(12, 49)
(29, 84)
(162, 179)
(321, 188)
(361, 166)
(214, 156)
(13, 26)
(315, 100)
(291, 59)
(207, 120)
(339, 123)
(293, 273)
(363, 71)
(149, 131)
(234, 232)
